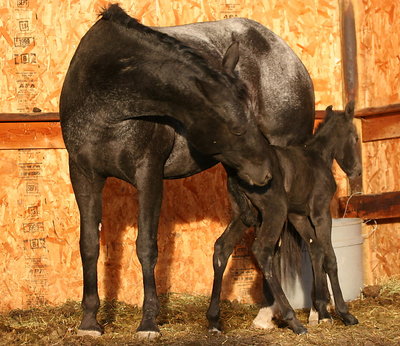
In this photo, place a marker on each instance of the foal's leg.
(222, 250)
(150, 188)
(87, 188)
(269, 308)
(267, 237)
(323, 229)
(320, 293)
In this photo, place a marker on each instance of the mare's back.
(279, 83)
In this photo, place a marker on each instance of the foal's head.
(346, 148)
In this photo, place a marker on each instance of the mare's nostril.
(266, 179)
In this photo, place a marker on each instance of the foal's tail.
(290, 253)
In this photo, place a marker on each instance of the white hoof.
(92, 333)
(214, 331)
(326, 320)
(313, 317)
(264, 319)
(148, 335)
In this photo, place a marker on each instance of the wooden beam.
(377, 123)
(31, 135)
(349, 50)
(374, 111)
(319, 114)
(377, 206)
(381, 127)
(28, 117)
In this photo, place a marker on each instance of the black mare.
(300, 191)
(122, 81)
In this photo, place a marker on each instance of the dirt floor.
(182, 322)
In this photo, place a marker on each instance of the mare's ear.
(231, 57)
(349, 110)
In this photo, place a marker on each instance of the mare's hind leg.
(323, 228)
(320, 293)
(222, 250)
(267, 237)
(87, 188)
(150, 187)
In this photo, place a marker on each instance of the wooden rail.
(375, 206)
(43, 131)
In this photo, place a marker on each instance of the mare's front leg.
(87, 188)
(222, 250)
(224, 246)
(269, 308)
(274, 213)
(149, 182)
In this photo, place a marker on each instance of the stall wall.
(39, 218)
(40, 37)
(379, 79)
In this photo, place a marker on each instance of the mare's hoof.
(147, 335)
(91, 328)
(349, 319)
(263, 319)
(92, 333)
(313, 318)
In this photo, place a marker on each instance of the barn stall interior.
(350, 50)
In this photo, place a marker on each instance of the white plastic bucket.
(347, 243)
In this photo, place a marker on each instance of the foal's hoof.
(92, 333)
(326, 320)
(300, 330)
(349, 319)
(214, 330)
(297, 327)
(146, 335)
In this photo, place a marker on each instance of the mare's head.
(227, 128)
(346, 150)
(165, 77)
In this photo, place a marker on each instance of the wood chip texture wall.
(39, 221)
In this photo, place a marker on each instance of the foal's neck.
(324, 141)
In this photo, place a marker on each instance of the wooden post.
(349, 66)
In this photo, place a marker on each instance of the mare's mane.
(116, 14)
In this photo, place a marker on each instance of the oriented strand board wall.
(378, 28)
(41, 263)
(38, 39)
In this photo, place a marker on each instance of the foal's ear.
(231, 57)
(349, 110)
(329, 110)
